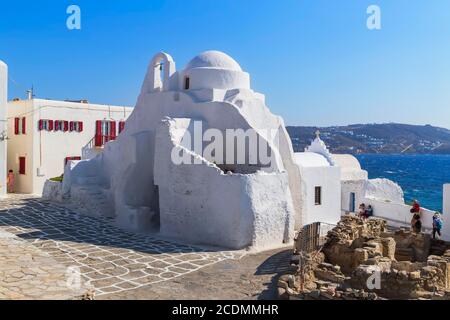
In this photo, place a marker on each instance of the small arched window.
(186, 83)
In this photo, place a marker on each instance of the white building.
(385, 196)
(233, 204)
(44, 134)
(353, 181)
(321, 184)
(3, 123)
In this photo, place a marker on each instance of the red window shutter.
(112, 130)
(80, 126)
(66, 126)
(41, 124)
(98, 133)
(22, 168)
(16, 125)
(24, 123)
(71, 126)
(50, 125)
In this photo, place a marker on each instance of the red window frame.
(101, 137)
(24, 125)
(16, 125)
(22, 165)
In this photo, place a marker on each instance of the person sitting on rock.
(437, 225)
(369, 211)
(362, 210)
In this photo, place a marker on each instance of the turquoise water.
(420, 176)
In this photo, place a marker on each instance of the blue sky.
(315, 60)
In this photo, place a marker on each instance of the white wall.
(200, 204)
(329, 179)
(46, 150)
(3, 125)
(352, 186)
(399, 215)
(446, 212)
(384, 189)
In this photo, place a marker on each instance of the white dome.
(310, 159)
(213, 59)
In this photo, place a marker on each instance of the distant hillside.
(376, 138)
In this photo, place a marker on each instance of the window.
(45, 124)
(61, 125)
(20, 125)
(105, 131)
(186, 83)
(318, 196)
(76, 126)
(22, 164)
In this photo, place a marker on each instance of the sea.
(420, 176)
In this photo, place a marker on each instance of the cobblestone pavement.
(29, 273)
(254, 277)
(109, 259)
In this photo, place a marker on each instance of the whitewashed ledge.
(52, 191)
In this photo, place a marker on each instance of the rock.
(282, 284)
(281, 292)
(415, 275)
(88, 295)
(291, 281)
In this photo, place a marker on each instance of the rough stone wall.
(361, 261)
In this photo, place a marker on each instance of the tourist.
(415, 207)
(362, 210)
(369, 211)
(437, 225)
(10, 181)
(415, 221)
(418, 225)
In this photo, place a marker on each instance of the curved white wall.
(384, 190)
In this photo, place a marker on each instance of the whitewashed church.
(224, 190)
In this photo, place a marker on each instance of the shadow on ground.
(275, 265)
(34, 218)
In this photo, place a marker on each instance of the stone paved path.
(109, 259)
(29, 273)
(254, 277)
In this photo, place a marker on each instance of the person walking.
(437, 225)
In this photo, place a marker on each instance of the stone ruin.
(362, 259)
